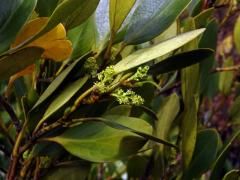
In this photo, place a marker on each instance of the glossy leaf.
(232, 175)
(145, 55)
(236, 34)
(118, 11)
(10, 65)
(204, 154)
(221, 157)
(180, 61)
(45, 7)
(64, 96)
(20, 12)
(152, 18)
(94, 141)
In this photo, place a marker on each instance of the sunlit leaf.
(145, 55)
(237, 34)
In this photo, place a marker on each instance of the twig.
(11, 113)
(229, 68)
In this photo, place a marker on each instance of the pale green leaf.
(237, 34)
(118, 11)
(145, 55)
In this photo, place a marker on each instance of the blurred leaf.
(118, 11)
(70, 172)
(232, 175)
(94, 141)
(83, 38)
(145, 55)
(221, 157)
(204, 154)
(10, 65)
(195, 7)
(45, 7)
(152, 18)
(202, 19)
(17, 14)
(180, 61)
(234, 111)
(226, 78)
(63, 97)
(236, 34)
(136, 166)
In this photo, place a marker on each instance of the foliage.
(151, 97)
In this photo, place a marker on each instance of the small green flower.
(105, 78)
(128, 97)
(140, 74)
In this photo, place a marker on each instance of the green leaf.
(236, 34)
(147, 54)
(94, 141)
(221, 157)
(204, 154)
(70, 171)
(123, 110)
(71, 13)
(10, 65)
(202, 19)
(18, 13)
(59, 80)
(180, 61)
(83, 38)
(64, 96)
(118, 11)
(45, 7)
(232, 175)
(166, 115)
(136, 167)
(152, 18)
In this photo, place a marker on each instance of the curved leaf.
(145, 55)
(45, 7)
(180, 61)
(64, 96)
(204, 154)
(16, 19)
(94, 141)
(152, 18)
(232, 175)
(10, 65)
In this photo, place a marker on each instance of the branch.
(229, 68)
(11, 113)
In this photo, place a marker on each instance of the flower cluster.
(140, 74)
(105, 78)
(128, 97)
(91, 66)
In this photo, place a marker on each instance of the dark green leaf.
(204, 154)
(221, 157)
(180, 61)
(45, 7)
(201, 19)
(17, 14)
(9, 65)
(152, 18)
